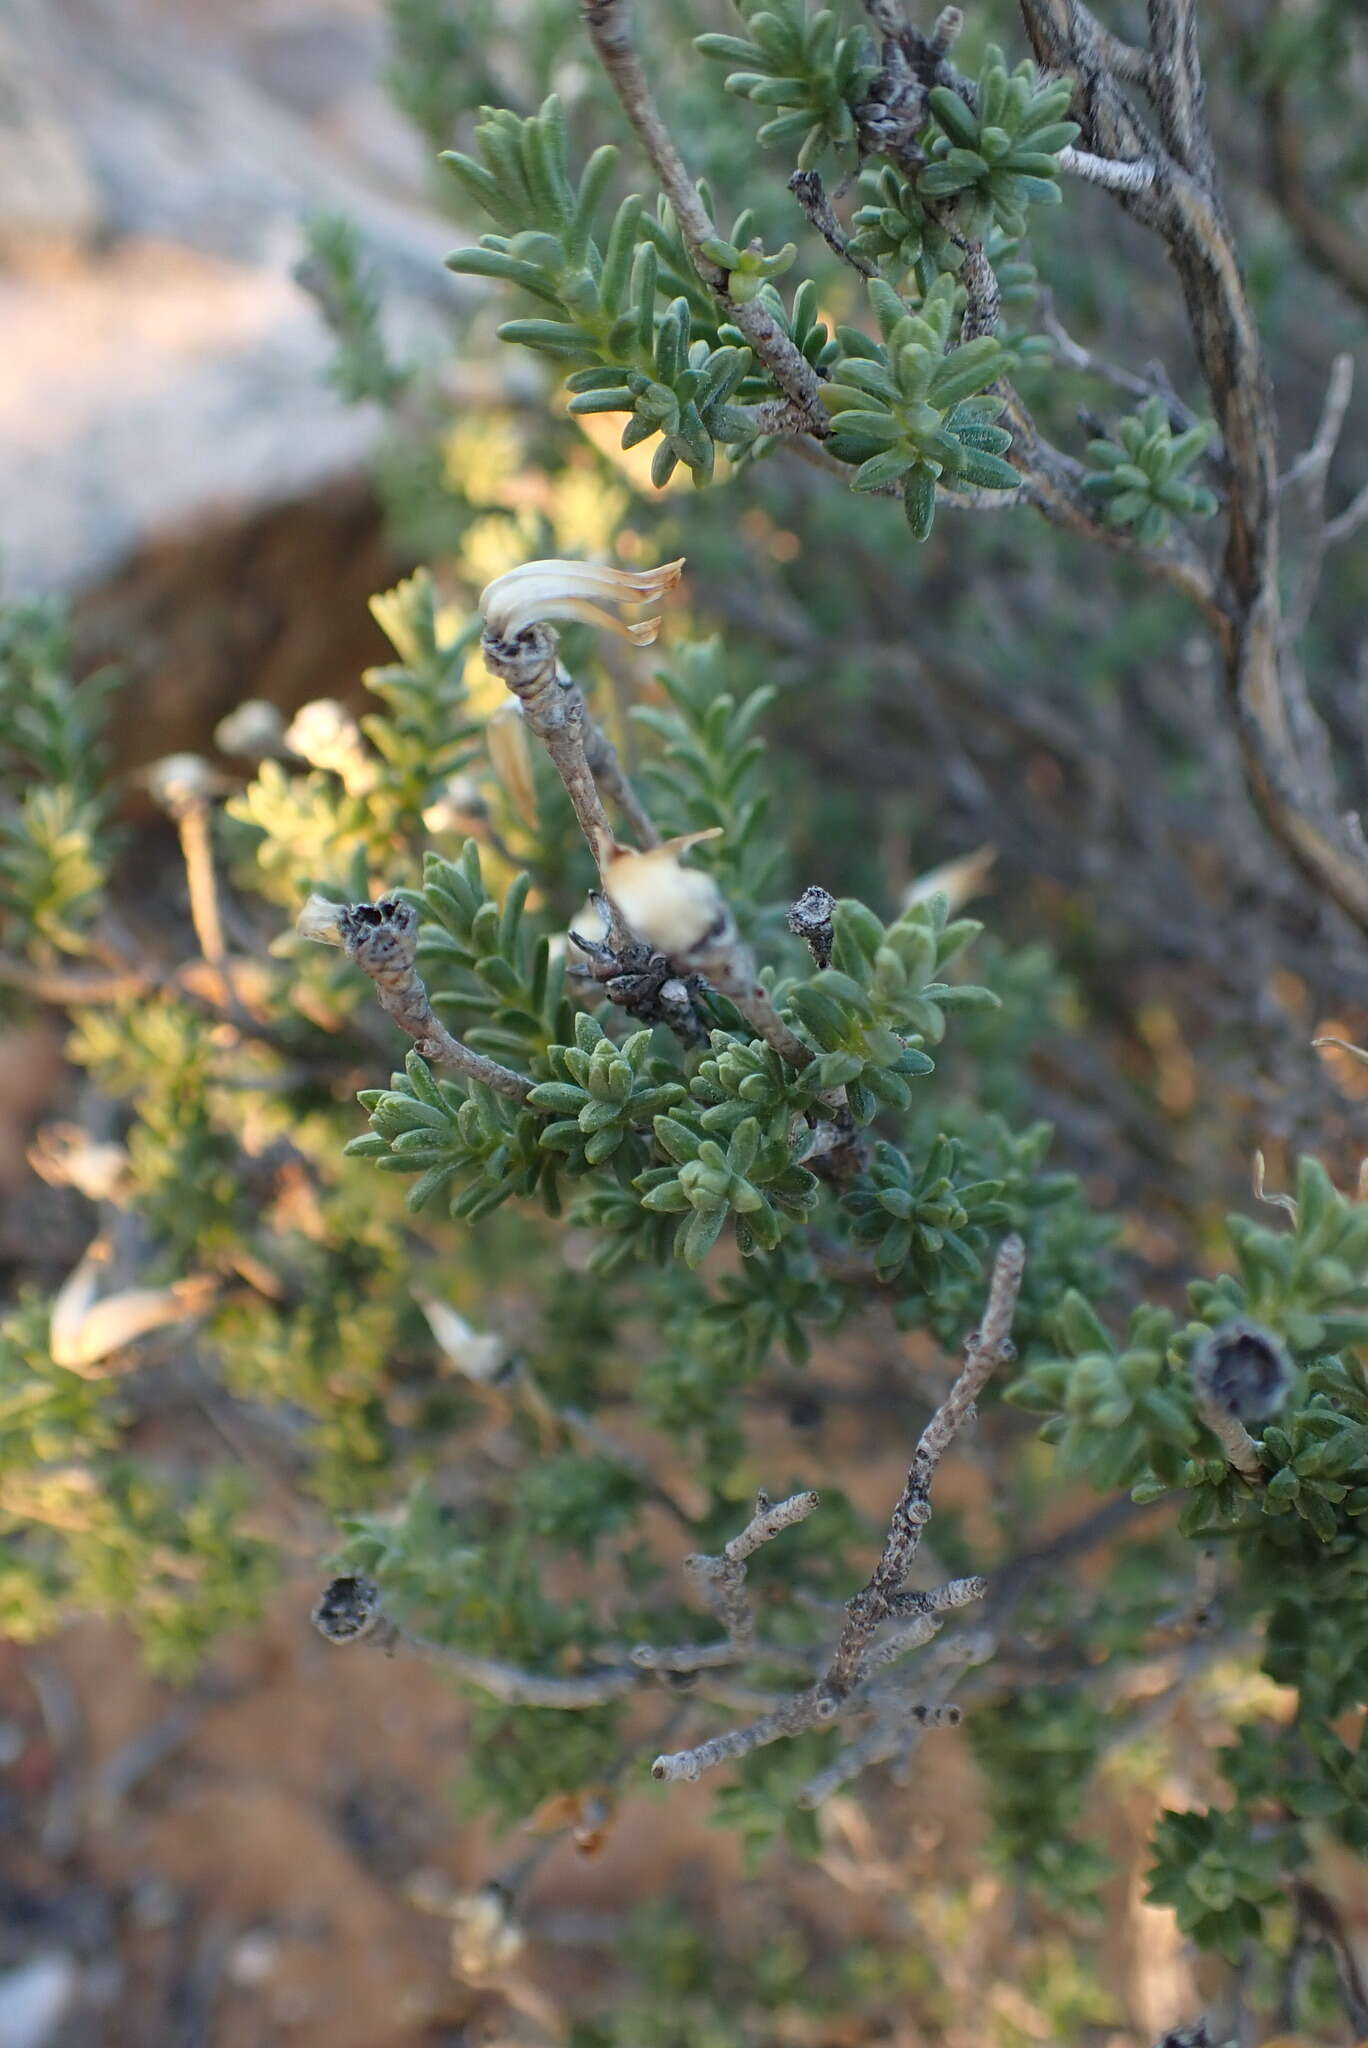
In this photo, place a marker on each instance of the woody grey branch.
(721, 1580)
(883, 1598)
(903, 1712)
(382, 939)
(351, 1611)
(554, 709)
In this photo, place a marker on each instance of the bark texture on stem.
(382, 939)
(610, 29)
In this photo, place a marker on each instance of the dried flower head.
(537, 591)
(321, 920)
(178, 782)
(485, 1938)
(89, 1329)
(66, 1156)
(478, 1354)
(671, 907)
(348, 1609)
(1242, 1369)
(254, 730)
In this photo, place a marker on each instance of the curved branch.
(610, 30)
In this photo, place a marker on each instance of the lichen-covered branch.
(721, 1580)
(382, 939)
(857, 1655)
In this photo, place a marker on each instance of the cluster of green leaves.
(442, 1132)
(1219, 1874)
(913, 410)
(1141, 478)
(1127, 1414)
(722, 1144)
(1067, 1239)
(624, 353)
(603, 1098)
(997, 152)
(1037, 1749)
(54, 829)
(801, 65)
(923, 1216)
(706, 775)
(334, 270)
(882, 1001)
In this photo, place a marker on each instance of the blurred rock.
(163, 370)
(36, 1999)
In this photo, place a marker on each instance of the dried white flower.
(957, 880)
(180, 781)
(86, 1330)
(671, 907)
(255, 730)
(325, 734)
(575, 590)
(485, 1938)
(66, 1156)
(321, 920)
(477, 1354)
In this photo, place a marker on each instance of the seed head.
(348, 1609)
(1242, 1369)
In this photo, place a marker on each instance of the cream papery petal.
(86, 1329)
(480, 1355)
(537, 591)
(319, 919)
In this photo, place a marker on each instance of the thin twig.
(382, 939)
(989, 1347)
(1285, 756)
(882, 1597)
(350, 1610)
(609, 25)
(194, 826)
(808, 189)
(722, 1579)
